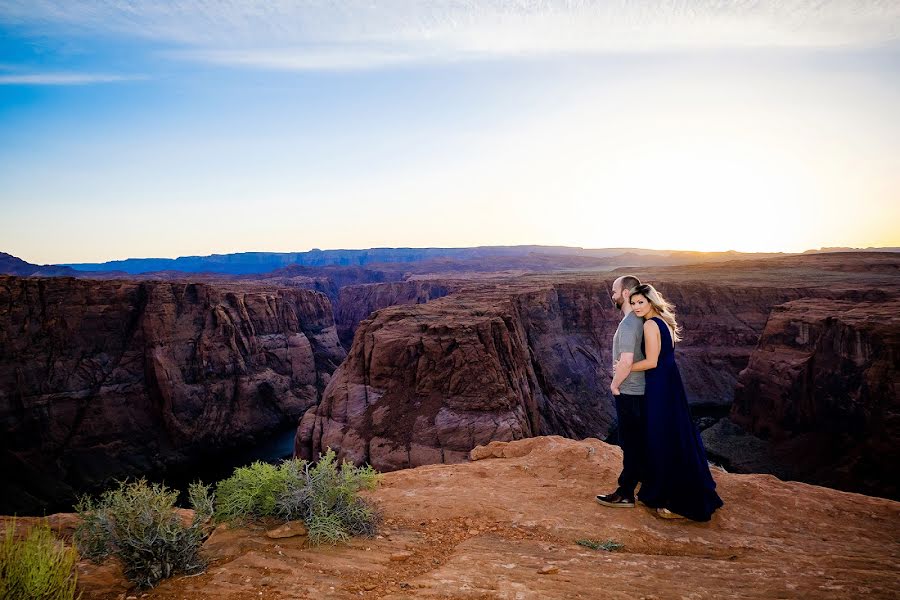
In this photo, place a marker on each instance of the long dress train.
(678, 476)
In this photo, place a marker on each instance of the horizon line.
(580, 248)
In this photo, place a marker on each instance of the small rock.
(400, 556)
(548, 570)
(289, 529)
(369, 586)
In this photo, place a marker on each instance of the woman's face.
(640, 305)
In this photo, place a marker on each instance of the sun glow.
(709, 197)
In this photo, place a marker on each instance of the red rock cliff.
(356, 302)
(426, 383)
(103, 379)
(823, 386)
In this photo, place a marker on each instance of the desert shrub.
(137, 523)
(37, 566)
(253, 491)
(323, 495)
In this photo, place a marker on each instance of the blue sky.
(167, 129)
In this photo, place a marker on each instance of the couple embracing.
(660, 445)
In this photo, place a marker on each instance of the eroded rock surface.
(426, 383)
(356, 302)
(506, 527)
(102, 379)
(823, 387)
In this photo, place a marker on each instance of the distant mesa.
(12, 265)
(403, 262)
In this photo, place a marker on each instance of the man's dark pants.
(632, 413)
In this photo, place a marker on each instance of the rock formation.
(102, 379)
(823, 387)
(518, 357)
(13, 265)
(356, 302)
(426, 383)
(420, 387)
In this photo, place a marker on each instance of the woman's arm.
(621, 371)
(652, 344)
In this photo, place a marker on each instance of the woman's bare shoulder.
(650, 326)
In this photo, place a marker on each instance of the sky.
(164, 129)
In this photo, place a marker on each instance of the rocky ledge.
(505, 525)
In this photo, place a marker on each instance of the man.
(628, 391)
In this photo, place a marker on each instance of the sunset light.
(716, 128)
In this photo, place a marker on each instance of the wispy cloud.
(341, 34)
(62, 78)
(307, 58)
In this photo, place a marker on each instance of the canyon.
(109, 379)
(518, 357)
(823, 388)
(400, 366)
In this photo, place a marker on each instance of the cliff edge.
(505, 526)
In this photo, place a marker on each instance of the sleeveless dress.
(678, 476)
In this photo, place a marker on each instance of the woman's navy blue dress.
(678, 476)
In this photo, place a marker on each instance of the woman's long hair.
(665, 308)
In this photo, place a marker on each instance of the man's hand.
(614, 389)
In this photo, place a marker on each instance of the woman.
(678, 482)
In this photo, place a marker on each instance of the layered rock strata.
(823, 388)
(426, 386)
(102, 379)
(356, 302)
(426, 383)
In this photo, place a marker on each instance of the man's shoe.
(616, 500)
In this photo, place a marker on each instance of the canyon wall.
(102, 379)
(823, 389)
(356, 302)
(426, 383)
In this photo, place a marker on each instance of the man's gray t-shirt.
(628, 338)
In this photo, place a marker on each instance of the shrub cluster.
(37, 566)
(322, 495)
(137, 523)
